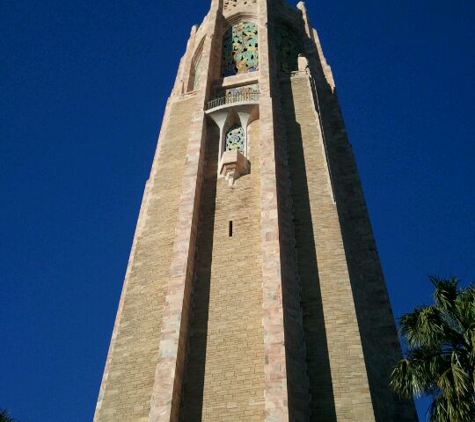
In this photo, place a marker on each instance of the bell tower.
(254, 290)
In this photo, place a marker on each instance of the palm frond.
(441, 353)
(444, 409)
(424, 327)
(4, 416)
(432, 362)
(445, 292)
(454, 383)
(438, 411)
(409, 378)
(465, 307)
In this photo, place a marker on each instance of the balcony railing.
(233, 98)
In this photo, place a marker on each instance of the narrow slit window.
(230, 229)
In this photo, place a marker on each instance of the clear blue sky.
(83, 87)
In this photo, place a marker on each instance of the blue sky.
(83, 88)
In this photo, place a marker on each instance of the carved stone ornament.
(233, 165)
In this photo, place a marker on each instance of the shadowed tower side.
(254, 290)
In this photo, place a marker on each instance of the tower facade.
(254, 290)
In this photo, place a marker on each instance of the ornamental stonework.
(229, 4)
(240, 49)
(235, 139)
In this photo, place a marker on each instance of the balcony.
(234, 98)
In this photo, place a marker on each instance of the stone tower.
(254, 290)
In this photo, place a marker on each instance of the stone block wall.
(373, 310)
(338, 382)
(129, 377)
(225, 370)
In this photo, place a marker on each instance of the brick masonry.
(338, 381)
(265, 300)
(129, 375)
(225, 373)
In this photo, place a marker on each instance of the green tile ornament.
(235, 139)
(241, 49)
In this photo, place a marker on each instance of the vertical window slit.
(230, 229)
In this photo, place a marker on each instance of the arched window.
(235, 139)
(196, 67)
(288, 50)
(196, 74)
(240, 49)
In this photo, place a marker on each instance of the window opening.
(230, 229)
(197, 74)
(235, 139)
(241, 49)
(288, 49)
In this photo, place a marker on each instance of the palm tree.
(4, 416)
(441, 353)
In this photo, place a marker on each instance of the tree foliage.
(441, 353)
(4, 417)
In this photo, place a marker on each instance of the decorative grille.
(235, 139)
(241, 49)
